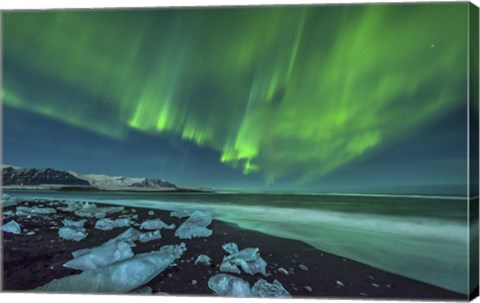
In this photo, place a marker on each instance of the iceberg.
(230, 248)
(109, 224)
(71, 207)
(228, 285)
(149, 236)
(101, 256)
(181, 213)
(33, 211)
(12, 227)
(74, 224)
(121, 277)
(8, 200)
(8, 213)
(90, 210)
(72, 233)
(203, 260)
(249, 260)
(156, 224)
(264, 289)
(228, 266)
(128, 236)
(195, 226)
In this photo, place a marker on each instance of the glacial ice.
(8, 213)
(90, 210)
(181, 213)
(228, 266)
(33, 211)
(264, 289)
(156, 224)
(109, 224)
(121, 277)
(72, 233)
(71, 207)
(230, 248)
(203, 260)
(228, 285)
(128, 236)
(302, 267)
(8, 200)
(74, 224)
(195, 226)
(149, 236)
(283, 271)
(249, 260)
(12, 227)
(100, 256)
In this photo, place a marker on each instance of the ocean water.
(424, 238)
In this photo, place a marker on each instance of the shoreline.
(33, 260)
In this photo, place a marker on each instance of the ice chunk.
(228, 285)
(71, 207)
(8, 213)
(12, 227)
(228, 266)
(249, 260)
(90, 210)
(203, 260)
(230, 248)
(264, 289)
(195, 226)
(181, 213)
(8, 200)
(302, 267)
(283, 271)
(156, 224)
(151, 213)
(101, 256)
(121, 277)
(149, 236)
(109, 224)
(33, 211)
(128, 236)
(74, 224)
(72, 234)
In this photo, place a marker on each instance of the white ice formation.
(12, 227)
(121, 277)
(195, 226)
(228, 285)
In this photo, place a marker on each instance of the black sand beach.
(30, 261)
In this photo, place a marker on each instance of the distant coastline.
(80, 188)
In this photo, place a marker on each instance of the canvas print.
(285, 151)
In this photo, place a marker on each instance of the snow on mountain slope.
(118, 182)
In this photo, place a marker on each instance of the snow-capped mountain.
(49, 176)
(23, 176)
(115, 182)
(153, 183)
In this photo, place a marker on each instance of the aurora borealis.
(298, 94)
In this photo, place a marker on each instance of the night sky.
(302, 98)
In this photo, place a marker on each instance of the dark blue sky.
(311, 98)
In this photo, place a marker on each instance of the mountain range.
(16, 176)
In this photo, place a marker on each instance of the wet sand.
(30, 261)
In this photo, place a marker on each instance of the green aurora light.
(282, 91)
